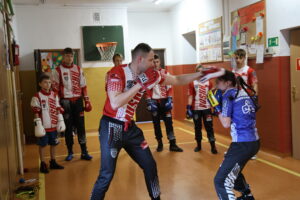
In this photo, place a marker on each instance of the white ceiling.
(132, 5)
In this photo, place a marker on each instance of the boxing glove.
(169, 104)
(189, 112)
(151, 105)
(87, 104)
(149, 78)
(61, 127)
(210, 73)
(39, 130)
(215, 100)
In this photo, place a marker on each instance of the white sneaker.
(254, 157)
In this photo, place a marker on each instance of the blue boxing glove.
(151, 105)
(169, 104)
(219, 97)
(215, 100)
(189, 112)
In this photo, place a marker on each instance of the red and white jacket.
(247, 73)
(46, 105)
(160, 91)
(121, 79)
(199, 92)
(69, 81)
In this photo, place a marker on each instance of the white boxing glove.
(61, 127)
(210, 73)
(39, 130)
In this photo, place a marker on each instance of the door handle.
(294, 92)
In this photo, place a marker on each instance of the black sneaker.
(160, 146)
(198, 147)
(213, 148)
(246, 197)
(44, 168)
(54, 165)
(86, 156)
(174, 147)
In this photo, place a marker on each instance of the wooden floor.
(183, 176)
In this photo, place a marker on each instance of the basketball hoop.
(106, 50)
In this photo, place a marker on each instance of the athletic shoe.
(54, 165)
(254, 157)
(198, 147)
(69, 157)
(44, 168)
(213, 148)
(86, 157)
(174, 147)
(160, 146)
(246, 197)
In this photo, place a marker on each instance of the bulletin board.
(98, 34)
(211, 41)
(248, 27)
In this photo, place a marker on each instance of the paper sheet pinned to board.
(260, 53)
(259, 25)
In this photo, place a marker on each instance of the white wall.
(47, 27)
(186, 17)
(56, 27)
(282, 15)
(153, 28)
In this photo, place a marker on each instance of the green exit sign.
(273, 42)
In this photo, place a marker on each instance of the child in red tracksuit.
(48, 121)
(247, 73)
(199, 109)
(69, 82)
(160, 104)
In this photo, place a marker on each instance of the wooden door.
(295, 90)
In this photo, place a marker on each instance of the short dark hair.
(199, 66)
(117, 55)
(228, 76)
(43, 77)
(240, 53)
(156, 56)
(68, 50)
(141, 48)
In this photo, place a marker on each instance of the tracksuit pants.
(206, 117)
(229, 175)
(112, 139)
(74, 118)
(167, 118)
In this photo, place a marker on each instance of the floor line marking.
(42, 191)
(258, 159)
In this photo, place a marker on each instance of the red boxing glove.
(210, 73)
(87, 104)
(149, 78)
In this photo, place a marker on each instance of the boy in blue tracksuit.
(236, 110)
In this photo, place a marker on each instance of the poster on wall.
(210, 41)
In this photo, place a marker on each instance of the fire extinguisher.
(16, 53)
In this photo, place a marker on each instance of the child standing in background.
(48, 121)
(198, 108)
